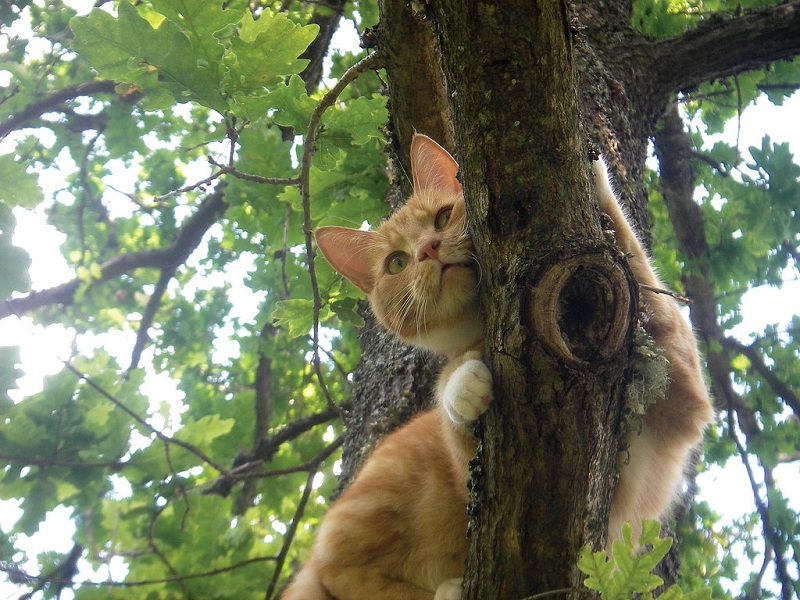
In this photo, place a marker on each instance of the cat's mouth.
(447, 267)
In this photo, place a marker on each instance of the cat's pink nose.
(429, 248)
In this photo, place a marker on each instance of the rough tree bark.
(558, 336)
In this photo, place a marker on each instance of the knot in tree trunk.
(581, 307)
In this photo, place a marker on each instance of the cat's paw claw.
(450, 589)
(468, 392)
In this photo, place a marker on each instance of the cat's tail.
(306, 585)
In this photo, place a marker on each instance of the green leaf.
(14, 261)
(346, 310)
(296, 315)
(262, 55)
(37, 502)
(358, 122)
(628, 571)
(205, 430)
(676, 593)
(597, 566)
(98, 416)
(634, 565)
(128, 49)
(18, 187)
(203, 22)
(293, 106)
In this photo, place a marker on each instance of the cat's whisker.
(479, 268)
(421, 321)
(401, 308)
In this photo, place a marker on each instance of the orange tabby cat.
(399, 531)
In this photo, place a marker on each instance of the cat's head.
(417, 268)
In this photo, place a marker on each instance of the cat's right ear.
(348, 251)
(432, 167)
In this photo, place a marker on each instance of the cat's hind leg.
(369, 583)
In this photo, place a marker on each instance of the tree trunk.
(558, 335)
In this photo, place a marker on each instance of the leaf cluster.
(627, 573)
(162, 141)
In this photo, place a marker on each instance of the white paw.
(450, 589)
(468, 391)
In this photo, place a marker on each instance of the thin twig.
(739, 111)
(159, 434)
(582, 591)
(221, 170)
(298, 515)
(285, 251)
(8, 567)
(233, 172)
(755, 590)
(86, 199)
(187, 188)
(44, 463)
(669, 293)
(771, 535)
(265, 449)
(151, 542)
(780, 387)
(372, 61)
(719, 167)
(249, 470)
(181, 487)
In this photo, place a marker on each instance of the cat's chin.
(453, 338)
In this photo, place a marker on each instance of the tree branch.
(265, 449)
(723, 46)
(142, 336)
(60, 577)
(187, 240)
(263, 408)
(326, 17)
(52, 101)
(771, 534)
(775, 382)
(19, 575)
(420, 100)
(673, 148)
(43, 463)
(151, 543)
(250, 472)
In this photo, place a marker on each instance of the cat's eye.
(443, 218)
(396, 262)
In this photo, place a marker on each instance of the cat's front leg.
(465, 388)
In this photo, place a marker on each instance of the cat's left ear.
(348, 251)
(432, 167)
